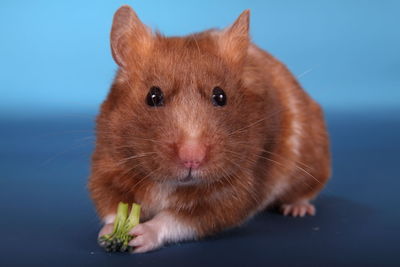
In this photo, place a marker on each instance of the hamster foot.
(298, 209)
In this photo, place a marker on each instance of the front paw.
(105, 230)
(147, 237)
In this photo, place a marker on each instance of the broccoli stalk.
(119, 239)
(130, 222)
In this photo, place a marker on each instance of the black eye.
(155, 97)
(218, 97)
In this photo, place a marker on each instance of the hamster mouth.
(188, 179)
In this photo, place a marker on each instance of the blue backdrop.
(55, 55)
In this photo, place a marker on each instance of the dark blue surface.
(47, 217)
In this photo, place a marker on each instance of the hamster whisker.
(258, 121)
(239, 156)
(147, 139)
(124, 160)
(276, 162)
(280, 165)
(131, 168)
(237, 179)
(126, 173)
(225, 176)
(295, 165)
(129, 145)
(304, 73)
(274, 154)
(246, 127)
(136, 137)
(303, 170)
(146, 176)
(239, 167)
(64, 151)
(295, 161)
(64, 132)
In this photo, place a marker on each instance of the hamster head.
(178, 110)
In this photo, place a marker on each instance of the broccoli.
(118, 240)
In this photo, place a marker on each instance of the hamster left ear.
(130, 38)
(234, 40)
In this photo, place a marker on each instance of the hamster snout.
(192, 154)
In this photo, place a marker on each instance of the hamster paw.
(146, 238)
(105, 230)
(298, 209)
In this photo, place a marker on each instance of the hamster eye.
(218, 97)
(155, 97)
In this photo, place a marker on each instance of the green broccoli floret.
(119, 239)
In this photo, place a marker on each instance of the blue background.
(55, 55)
(56, 68)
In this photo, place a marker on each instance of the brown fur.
(248, 153)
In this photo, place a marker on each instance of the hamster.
(203, 131)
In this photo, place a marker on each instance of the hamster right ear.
(234, 40)
(130, 38)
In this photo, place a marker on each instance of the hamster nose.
(192, 154)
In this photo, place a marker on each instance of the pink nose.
(192, 154)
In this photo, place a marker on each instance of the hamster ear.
(235, 39)
(130, 38)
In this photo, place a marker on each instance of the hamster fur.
(195, 166)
